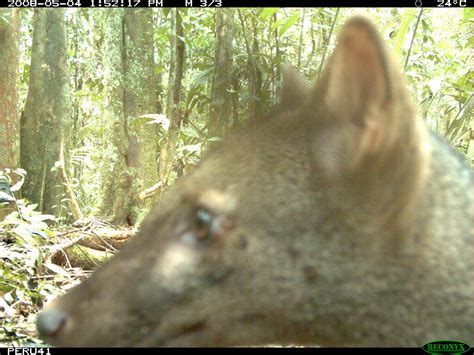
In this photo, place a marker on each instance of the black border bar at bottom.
(125, 351)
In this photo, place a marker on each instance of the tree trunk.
(168, 147)
(254, 75)
(140, 99)
(116, 178)
(130, 87)
(219, 116)
(9, 118)
(46, 112)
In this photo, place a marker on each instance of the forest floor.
(38, 264)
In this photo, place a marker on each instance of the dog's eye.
(205, 224)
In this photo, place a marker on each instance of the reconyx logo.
(446, 347)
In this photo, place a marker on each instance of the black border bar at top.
(446, 4)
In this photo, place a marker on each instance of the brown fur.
(340, 222)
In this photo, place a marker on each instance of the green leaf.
(200, 78)
(166, 12)
(407, 19)
(288, 23)
(25, 235)
(468, 14)
(267, 12)
(192, 148)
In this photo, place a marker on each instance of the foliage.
(23, 234)
(440, 77)
(435, 69)
(192, 139)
